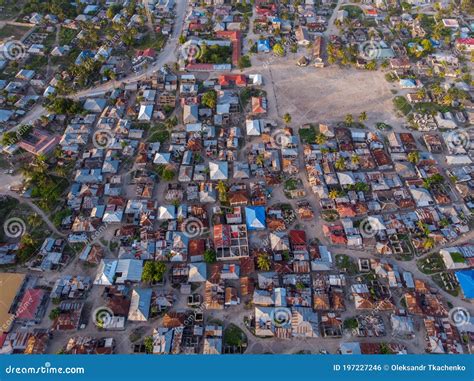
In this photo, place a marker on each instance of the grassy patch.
(402, 105)
(234, 336)
(308, 135)
(346, 263)
(457, 257)
(353, 11)
(14, 31)
(431, 264)
(66, 35)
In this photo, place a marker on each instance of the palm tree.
(263, 262)
(340, 164)
(320, 139)
(222, 189)
(259, 160)
(348, 119)
(333, 194)
(429, 243)
(414, 157)
(287, 118)
(34, 220)
(355, 159)
(362, 116)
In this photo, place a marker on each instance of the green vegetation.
(351, 323)
(165, 172)
(353, 11)
(210, 256)
(66, 106)
(346, 263)
(209, 99)
(45, 187)
(148, 343)
(414, 157)
(431, 264)
(54, 314)
(244, 62)
(402, 105)
(263, 262)
(215, 54)
(278, 50)
(234, 336)
(457, 257)
(61, 8)
(291, 184)
(66, 35)
(433, 181)
(153, 272)
(308, 135)
(14, 31)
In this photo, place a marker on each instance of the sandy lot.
(325, 95)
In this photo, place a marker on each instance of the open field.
(13, 31)
(326, 95)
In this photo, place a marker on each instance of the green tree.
(348, 119)
(221, 187)
(244, 62)
(210, 256)
(278, 50)
(340, 164)
(333, 194)
(54, 314)
(153, 272)
(209, 99)
(263, 262)
(148, 343)
(182, 39)
(414, 157)
(320, 139)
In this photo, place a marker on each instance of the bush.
(244, 62)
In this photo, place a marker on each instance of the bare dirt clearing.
(326, 95)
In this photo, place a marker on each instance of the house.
(302, 36)
(255, 217)
(39, 142)
(95, 105)
(197, 272)
(140, 304)
(466, 282)
(119, 271)
(32, 306)
(253, 127)
(218, 170)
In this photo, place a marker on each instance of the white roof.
(218, 170)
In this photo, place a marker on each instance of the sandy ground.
(327, 94)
